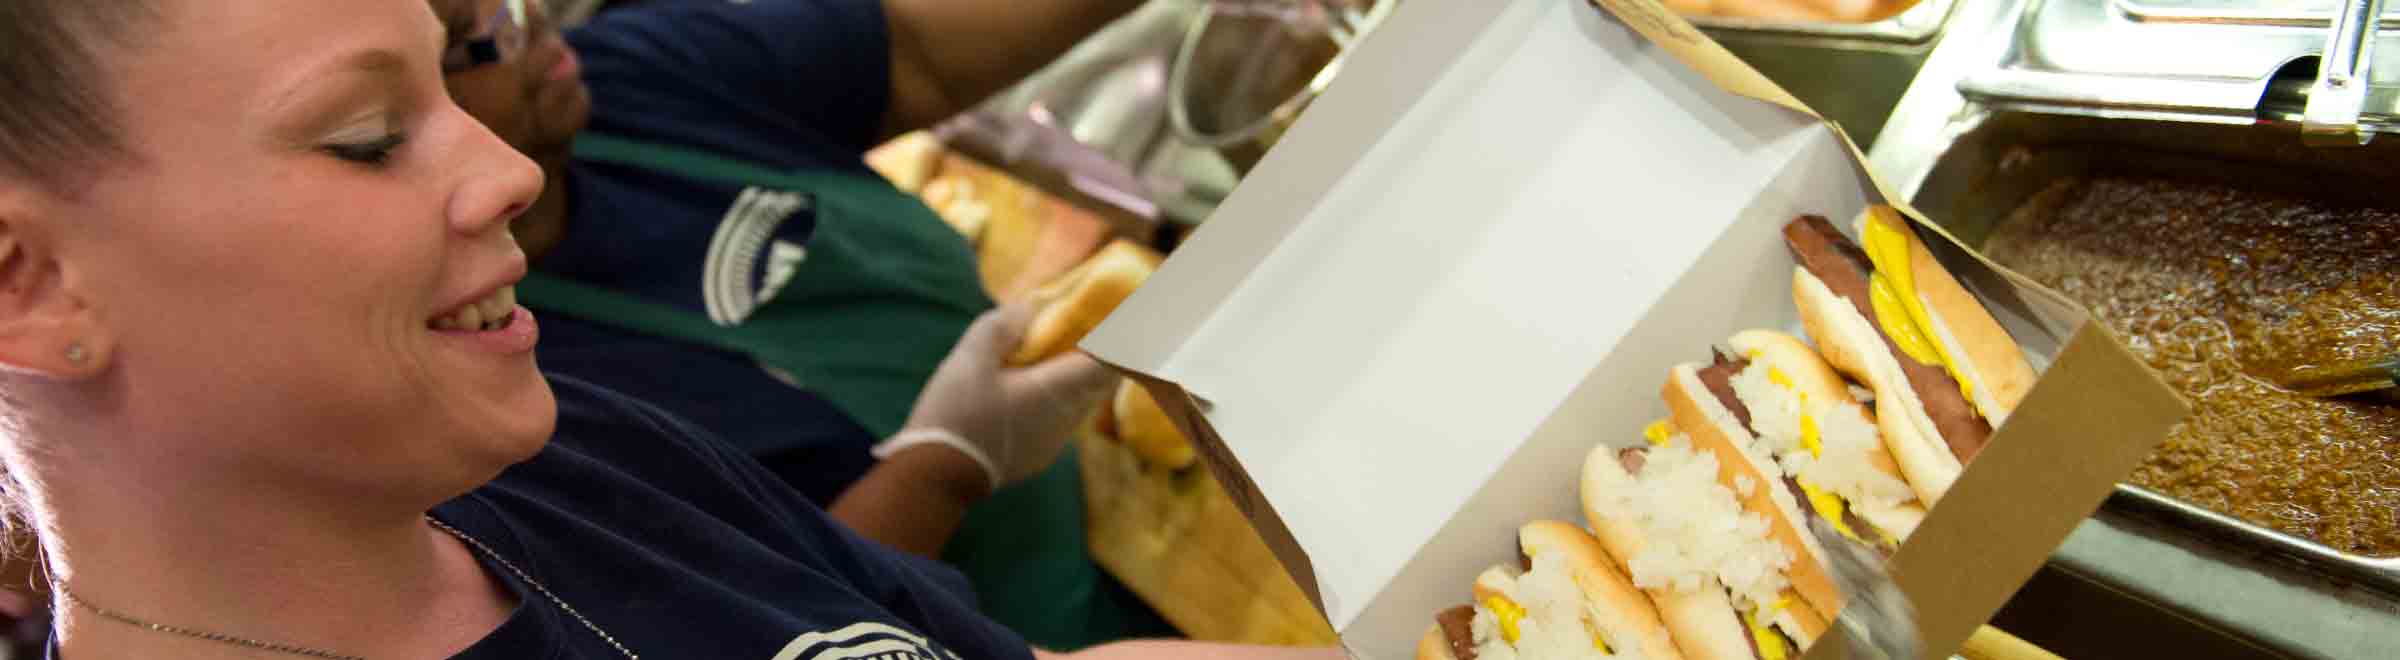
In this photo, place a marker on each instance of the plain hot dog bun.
(1849, 469)
(1145, 428)
(1569, 602)
(1076, 302)
(1661, 513)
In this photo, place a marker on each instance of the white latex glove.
(1012, 421)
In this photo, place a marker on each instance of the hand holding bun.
(1076, 303)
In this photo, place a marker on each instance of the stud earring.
(76, 353)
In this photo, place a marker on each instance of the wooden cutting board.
(1179, 543)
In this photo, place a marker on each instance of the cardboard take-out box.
(1477, 257)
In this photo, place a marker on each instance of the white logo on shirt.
(863, 641)
(733, 254)
(782, 262)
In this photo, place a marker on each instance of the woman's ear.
(46, 327)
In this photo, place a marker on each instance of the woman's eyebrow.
(318, 95)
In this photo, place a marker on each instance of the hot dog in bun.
(1943, 371)
(1831, 455)
(1719, 579)
(1568, 603)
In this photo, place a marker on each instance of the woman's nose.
(500, 184)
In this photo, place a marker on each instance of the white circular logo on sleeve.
(863, 641)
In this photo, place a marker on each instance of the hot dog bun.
(1713, 427)
(1611, 595)
(1145, 428)
(1434, 645)
(1701, 619)
(1886, 313)
(909, 161)
(1671, 490)
(1846, 443)
(1852, 345)
(1570, 603)
(1993, 365)
(1076, 302)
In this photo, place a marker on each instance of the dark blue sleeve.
(698, 468)
(764, 79)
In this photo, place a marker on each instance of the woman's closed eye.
(372, 152)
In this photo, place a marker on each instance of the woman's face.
(534, 97)
(281, 261)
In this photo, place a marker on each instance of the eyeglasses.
(511, 30)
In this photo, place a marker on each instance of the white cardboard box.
(1478, 255)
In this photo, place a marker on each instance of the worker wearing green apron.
(716, 245)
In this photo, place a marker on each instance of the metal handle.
(1989, 643)
(2340, 93)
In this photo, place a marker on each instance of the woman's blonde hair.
(57, 114)
(57, 117)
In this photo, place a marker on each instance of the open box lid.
(1491, 201)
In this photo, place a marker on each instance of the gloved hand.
(1013, 422)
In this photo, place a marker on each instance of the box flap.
(1670, 31)
(1476, 258)
(1514, 228)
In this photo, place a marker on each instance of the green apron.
(884, 292)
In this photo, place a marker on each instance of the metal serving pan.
(1914, 25)
(1967, 159)
(1852, 73)
(2000, 159)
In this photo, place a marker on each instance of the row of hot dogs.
(1698, 544)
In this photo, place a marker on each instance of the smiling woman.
(234, 299)
(266, 393)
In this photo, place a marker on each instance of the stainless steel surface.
(2001, 159)
(1853, 82)
(2331, 117)
(1968, 160)
(2083, 615)
(1877, 619)
(1109, 92)
(2299, 13)
(2342, 379)
(1118, 109)
(2181, 60)
(2194, 586)
(1916, 25)
(1089, 126)
(1243, 74)
(1851, 73)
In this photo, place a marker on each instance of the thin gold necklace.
(293, 649)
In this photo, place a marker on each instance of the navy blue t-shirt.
(680, 547)
(783, 83)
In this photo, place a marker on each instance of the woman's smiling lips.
(513, 333)
(492, 320)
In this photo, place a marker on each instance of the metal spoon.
(1880, 622)
(2376, 376)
